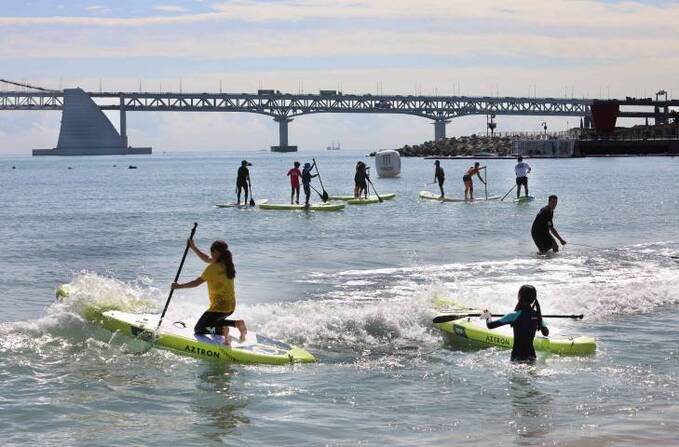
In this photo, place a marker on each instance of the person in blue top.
(306, 181)
(525, 320)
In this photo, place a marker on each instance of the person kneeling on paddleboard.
(219, 274)
(467, 180)
(525, 320)
(543, 225)
(306, 181)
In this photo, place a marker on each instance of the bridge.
(284, 107)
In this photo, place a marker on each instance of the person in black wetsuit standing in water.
(525, 320)
(543, 225)
(243, 181)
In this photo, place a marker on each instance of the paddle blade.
(324, 196)
(445, 318)
(252, 201)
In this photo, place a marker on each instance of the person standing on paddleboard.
(219, 275)
(439, 176)
(360, 183)
(294, 175)
(306, 181)
(243, 181)
(467, 179)
(525, 320)
(543, 226)
(522, 170)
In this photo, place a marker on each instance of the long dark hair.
(224, 257)
(528, 300)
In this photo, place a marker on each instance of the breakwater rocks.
(460, 146)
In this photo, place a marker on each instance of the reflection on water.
(531, 408)
(217, 407)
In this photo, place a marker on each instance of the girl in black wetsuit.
(525, 320)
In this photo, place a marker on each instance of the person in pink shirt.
(295, 175)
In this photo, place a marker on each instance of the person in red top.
(295, 175)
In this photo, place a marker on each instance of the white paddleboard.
(240, 205)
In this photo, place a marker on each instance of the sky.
(555, 48)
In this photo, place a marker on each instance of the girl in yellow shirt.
(219, 275)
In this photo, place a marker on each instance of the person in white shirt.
(522, 169)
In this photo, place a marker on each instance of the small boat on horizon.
(332, 146)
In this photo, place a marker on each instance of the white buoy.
(388, 163)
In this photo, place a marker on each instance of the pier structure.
(283, 107)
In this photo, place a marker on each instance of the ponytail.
(225, 258)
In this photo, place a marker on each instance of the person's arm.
(529, 168)
(543, 328)
(203, 256)
(556, 233)
(507, 319)
(478, 174)
(188, 285)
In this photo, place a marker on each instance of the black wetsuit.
(242, 182)
(306, 183)
(541, 228)
(360, 179)
(524, 323)
(440, 176)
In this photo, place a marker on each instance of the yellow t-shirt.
(220, 288)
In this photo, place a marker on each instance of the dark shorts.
(362, 185)
(441, 180)
(467, 178)
(544, 242)
(242, 185)
(522, 181)
(212, 323)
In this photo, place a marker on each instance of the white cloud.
(169, 8)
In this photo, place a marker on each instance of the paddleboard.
(178, 336)
(364, 201)
(387, 196)
(471, 332)
(240, 205)
(433, 196)
(524, 199)
(330, 206)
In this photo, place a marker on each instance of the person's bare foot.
(225, 333)
(240, 325)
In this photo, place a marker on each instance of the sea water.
(356, 288)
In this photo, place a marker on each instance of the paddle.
(444, 318)
(505, 196)
(324, 197)
(485, 181)
(176, 278)
(374, 190)
(252, 199)
(316, 191)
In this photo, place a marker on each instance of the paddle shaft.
(176, 278)
(324, 197)
(374, 190)
(485, 181)
(444, 318)
(505, 196)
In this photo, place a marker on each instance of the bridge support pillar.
(283, 136)
(440, 129)
(123, 121)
